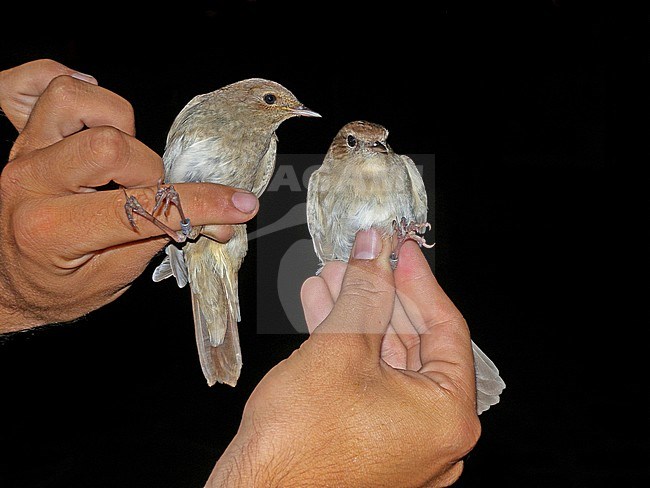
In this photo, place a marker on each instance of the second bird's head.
(360, 138)
(265, 101)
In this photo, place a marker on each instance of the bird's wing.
(489, 384)
(418, 191)
(172, 265)
(199, 160)
(162, 271)
(178, 130)
(267, 162)
(316, 220)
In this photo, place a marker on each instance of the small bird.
(226, 136)
(361, 184)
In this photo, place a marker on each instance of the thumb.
(364, 306)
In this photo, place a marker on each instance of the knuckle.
(31, 226)
(48, 65)
(62, 90)
(365, 291)
(107, 145)
(362, 291)
(12, 175)
(360, 284)
(46, 62)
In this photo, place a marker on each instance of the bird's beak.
(302, 111)
(379, 147)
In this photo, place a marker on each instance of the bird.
(227, 136)
(361, 184)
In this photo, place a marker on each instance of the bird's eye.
(270, 98)
(352, 141)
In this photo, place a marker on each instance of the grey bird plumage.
(226, 136)
(363, 183)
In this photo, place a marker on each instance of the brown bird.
(363, 183)
(226, 136)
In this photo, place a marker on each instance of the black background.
(537, 116)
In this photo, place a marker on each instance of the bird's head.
(266, 101)
(362, 138)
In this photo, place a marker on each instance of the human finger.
(101, 220)
(393, 351)
(220, 233)
(402, 342)
(87, 160)
(364, 306)
(67, 106)
(333, 273)
(408, 336)
(21, 86)
(445, 349)
(317, 301)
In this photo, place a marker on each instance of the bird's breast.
(368, 201)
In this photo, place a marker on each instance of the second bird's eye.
(269, 98)
(352, 141)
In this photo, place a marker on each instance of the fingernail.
(367, 244)
(84, 77)
(244, 201)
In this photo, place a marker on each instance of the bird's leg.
(409, 230)
(132, 206)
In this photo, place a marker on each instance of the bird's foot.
(167, 195)
(133, 207)
(409, 230)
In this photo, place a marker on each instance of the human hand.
(20, 87)
(66, 245)
(336, 414)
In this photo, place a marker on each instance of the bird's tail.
(489, 384)
(213, 275)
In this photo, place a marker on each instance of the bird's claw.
(164, 196)
(167, 195)
(409, 230)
